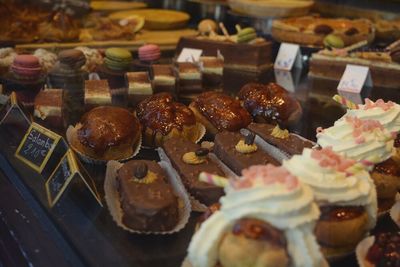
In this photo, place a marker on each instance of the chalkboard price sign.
(61, 177)
(37, 146)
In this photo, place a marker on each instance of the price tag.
(189, 55)
(354, 79)
(287, 79)
(289, 55)
(65, 172)
(37, 146)
(11, 110)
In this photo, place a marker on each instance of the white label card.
(354, 79)
(289, 55)
(190, 55)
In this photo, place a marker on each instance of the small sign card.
(65, 172)
(289, 56)
(354, 79)
(37, 146)
(189, 55)
(287, 79)
(10, 109)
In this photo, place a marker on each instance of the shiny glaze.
(161, 114)
(270, 101)
(340, 213)
(104, 127)
(389, 167)
(259, 230)
(223, 111)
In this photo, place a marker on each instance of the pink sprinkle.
(378, 104)
(360, 126)
(327, 158)
(360, 140)
(320, 130)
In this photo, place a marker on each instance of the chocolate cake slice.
(163, 79)
(97, 93)
(48, 108)
(189, 77)
(139, 86)
(147, 199)
(189, 160)
(290, 143)
(239, 152)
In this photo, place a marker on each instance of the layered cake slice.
(189, 159)
(289, 143)
(48, 108)
(212, 69)
(163, 79)
(139, 86)
(239, 152)
(189, 77)
(97, 93)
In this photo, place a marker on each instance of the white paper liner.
(395, 211)
(362, 251)
(196, 204)
(114, 205)
(71, 133)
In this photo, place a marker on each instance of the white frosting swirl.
(334, 186)
(371, 146)
(288, 208)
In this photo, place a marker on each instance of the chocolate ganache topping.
(223, 111)
(161, 113)
(340, 213)
(270, 101)
(104, 127)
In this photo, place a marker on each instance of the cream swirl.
(335, 180)
(270, 194)
(362, 140)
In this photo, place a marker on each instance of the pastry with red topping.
(384, 251)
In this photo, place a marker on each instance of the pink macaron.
(149, 52)
(26, 67)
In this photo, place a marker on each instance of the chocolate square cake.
(139, 86)
(48, 108)
(189, 77)
(212, 69)
(163, 79)
(97, 93)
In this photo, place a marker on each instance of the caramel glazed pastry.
(266, 219)
(189, 159)
(163, 118)
(107, 133)
(148, 202)
(219, 112)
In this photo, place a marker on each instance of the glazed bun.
(270, 103)
(163, 118)
(219, 112)
(107, 133)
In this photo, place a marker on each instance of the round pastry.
(206, 26)
(46, 58)
(118, 58)
(270, 103)
(26, 67)
(149, 52)
(93, 58)
(383, 250)
(163, 118)
(218, 112)
(7, 56)
(107, 133)
(148, 201)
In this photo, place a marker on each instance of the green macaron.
(118, 58)
(334, 41)
(246, 35)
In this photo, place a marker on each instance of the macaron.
(246, 35)
(118, 58)
(149, 52)
(73, 58)
(26, 67)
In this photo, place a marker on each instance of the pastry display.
(46, 58)
(139, 86)
(189, 77)
(148, 201)
(107, 133)
(219, 112)
(346, 196)
(383, 65)
(163, 78)
(270, 103)
(97, 93)
(266, 219)
(93, 58)
(212, 70)
(381, 249)
(312, 30)
(189, 159)
(290, 143)
(163, 118)
(58, 27)
(48, 108)
(239, 152)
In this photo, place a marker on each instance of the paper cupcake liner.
(71, 133)
(196, 204)
(362, 251)
(395, 211)
(114, 204)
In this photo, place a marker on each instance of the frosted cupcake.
(266, 219)
(345, 193)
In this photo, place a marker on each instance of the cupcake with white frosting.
(345, 194)
(267, 218)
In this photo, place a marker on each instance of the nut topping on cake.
(141, 174)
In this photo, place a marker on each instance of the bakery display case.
(233, 133)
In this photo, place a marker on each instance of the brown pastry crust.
(108, 133)
(224, 148)
(270, 102)
(163, 118)
(386, 177)
(147, 206)
(219, 112)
